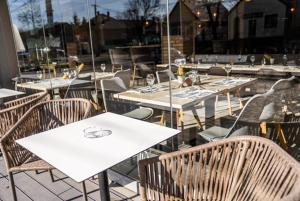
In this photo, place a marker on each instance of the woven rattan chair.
(12, 111)
(234, 169)
(42, 117)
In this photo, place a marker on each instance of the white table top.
(160, 99)
(4, 93)
(79, 157)
(53, 83)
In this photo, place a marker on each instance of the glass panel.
(27, 20)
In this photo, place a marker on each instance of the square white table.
(80, 158)
(5, 93)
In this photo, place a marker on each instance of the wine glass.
(150, 80)
(284, 59)
(228, 68)
(216, 60)
(66, 73)
(103, 67)
(39, 74)
(74, 73)
(193, 77)
(263, 62)
(252, 59)
(199, 63)
(272, 61)
(239, 58)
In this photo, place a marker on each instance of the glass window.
(271, 21)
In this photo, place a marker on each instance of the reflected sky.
(64, 10)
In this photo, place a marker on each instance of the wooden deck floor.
(39, 187)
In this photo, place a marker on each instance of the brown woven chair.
(42, 117)
(12, 111)
(234, 169)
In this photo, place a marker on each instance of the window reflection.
(58, 29)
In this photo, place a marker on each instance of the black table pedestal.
(103, 186)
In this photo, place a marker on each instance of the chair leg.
(240, 99)
(282, 137)
(133, 75)
(180, 117)
(229, 104)
(217, 100)
(12, 186)
(84, 194)
(163, 119)
(51, 176)
(263, 127)
(197, 118)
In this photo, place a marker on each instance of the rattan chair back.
(42, 117)
(12, 111)
(233, 169)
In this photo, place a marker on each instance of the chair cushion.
(141, 113)
(214, 133)
(267, 112)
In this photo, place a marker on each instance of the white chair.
(125, 76)
(116, 85)
(259, 107)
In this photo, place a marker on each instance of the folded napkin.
(148, 89)
(193, 94)
(230, 82)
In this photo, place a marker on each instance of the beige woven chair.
(234, 169)
(12, 111)
(42, 117)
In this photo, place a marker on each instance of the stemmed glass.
(284, 60)
(252, 59)
(39, 74)
(263, 62)
(103, 67)
(66, 73)
(216, 60)
(206, 58)
(150, 80)
(272, 61)
(228, 68)
(193, 76)
(239, 58)
(74, 73)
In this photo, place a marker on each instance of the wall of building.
(266, 7)
(8, 58)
